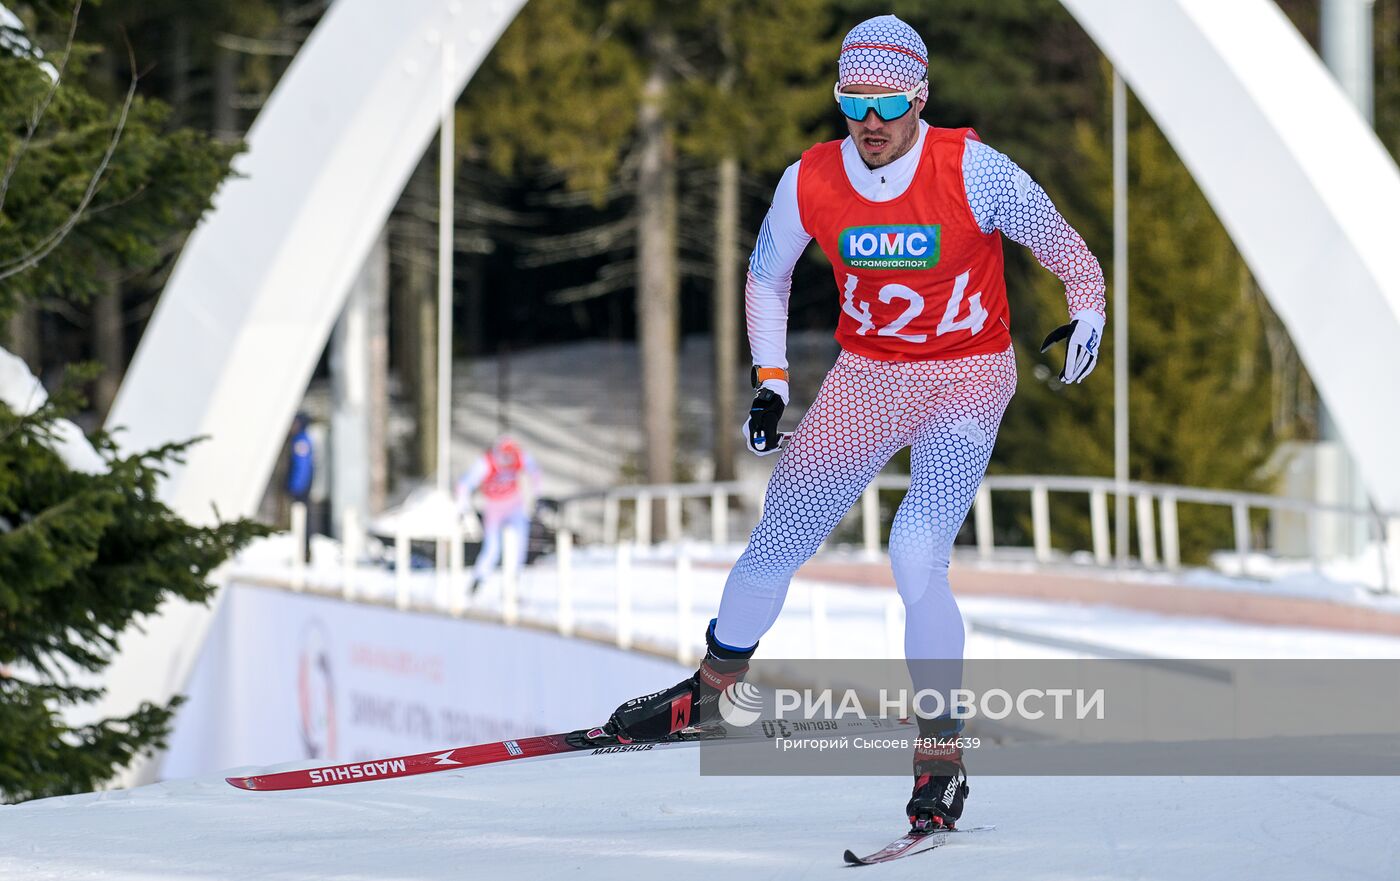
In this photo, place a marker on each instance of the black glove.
(761, 430)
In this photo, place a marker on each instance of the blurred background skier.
(509, 481)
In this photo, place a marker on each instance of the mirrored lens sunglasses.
(887, 105)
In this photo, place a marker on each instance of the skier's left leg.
(519, 522)
(948, 457)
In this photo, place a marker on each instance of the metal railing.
(1155, 510)
(602, 518)
(609, 516)
(573, 509)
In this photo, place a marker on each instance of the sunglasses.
(887, 105)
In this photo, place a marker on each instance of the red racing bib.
(917, 278)
(502, 475)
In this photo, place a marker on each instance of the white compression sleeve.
(1004, 197)
(781, 242)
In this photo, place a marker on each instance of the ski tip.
(240, 782)
(852, 859)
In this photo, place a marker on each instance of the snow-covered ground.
(651, 815)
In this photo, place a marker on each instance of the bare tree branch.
(42, 107)
(77, 317)
(117, 203)
(55, 238)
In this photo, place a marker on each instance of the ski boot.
(940, 781)
(691, 703)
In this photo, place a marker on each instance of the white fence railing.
(623, 516)
(600, 517)
(606, 507)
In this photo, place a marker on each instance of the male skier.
(911, 218)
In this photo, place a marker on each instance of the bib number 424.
(974, 320)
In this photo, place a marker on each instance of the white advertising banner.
(285, 677)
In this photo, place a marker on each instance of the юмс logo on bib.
(889, 247)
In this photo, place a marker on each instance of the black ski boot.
(940, 781)
(690, 703)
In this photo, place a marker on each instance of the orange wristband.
(760, 375)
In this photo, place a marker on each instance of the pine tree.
(177, 49)
(83, 557)
(94, 189)
(88, 189)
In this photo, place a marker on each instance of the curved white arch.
(1305, 189)
(251, 302)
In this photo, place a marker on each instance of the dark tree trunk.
(23, 335)
(109, 346)
(726, 317)
(657, 288)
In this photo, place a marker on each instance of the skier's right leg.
(859, 419)
(693, 701)
(856, 423)
(490, 553)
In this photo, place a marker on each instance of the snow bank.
(22, 392)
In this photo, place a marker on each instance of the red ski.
(909, 845)
(448, 760)
(589, 741)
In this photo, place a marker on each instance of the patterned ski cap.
(884, 51)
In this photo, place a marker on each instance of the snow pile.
(12, 38)
(22, 392)
(428, 513)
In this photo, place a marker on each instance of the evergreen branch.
(256, 45)
(47, 245)
(467, 209)
(576, 198)
(125, 200)
(601, 239)
(611, 278)
(67, 310)
(41, 108)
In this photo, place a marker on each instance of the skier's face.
(880, 141)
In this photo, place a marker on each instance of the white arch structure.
(1301, 183)
(251, 302)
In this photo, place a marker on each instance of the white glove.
(1085, 334)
